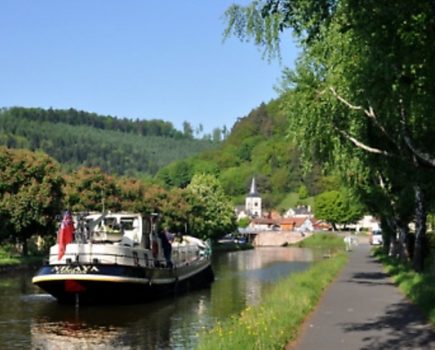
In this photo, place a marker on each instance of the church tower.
(253, 201)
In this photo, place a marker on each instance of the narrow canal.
(30, 319)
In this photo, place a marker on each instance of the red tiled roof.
(263, 221)
(293, 221)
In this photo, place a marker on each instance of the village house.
(296, 224)
(298, 219)
(301, 211)
(284, 224)
(266, 224)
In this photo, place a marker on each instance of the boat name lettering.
(79, 269)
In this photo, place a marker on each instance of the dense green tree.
(225, 132)
(390, 198)
(244, 222)
(176, 210)
(302, 194)
(90, 189)
(30, 195)
(199, 130)
(216, 135)
(227, 157)
(337, 207)
(211, 213)
(187, 130)
(205, 166)
(326, 207)
(182, 173)
(244, 150)
(132, 194)
(234, 180)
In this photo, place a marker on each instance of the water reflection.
(167, 324)
(30, 319)
(243, 277)
(67, 335)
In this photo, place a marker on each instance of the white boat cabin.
(124, 239)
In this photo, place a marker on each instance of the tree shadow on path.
(401, 327)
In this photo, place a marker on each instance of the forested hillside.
(77, 138)
(259, 145)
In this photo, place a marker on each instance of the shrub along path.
(363, 309)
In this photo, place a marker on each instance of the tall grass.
(276, 320)
(322, 240)
(419, 287)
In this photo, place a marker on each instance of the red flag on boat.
(66, 233)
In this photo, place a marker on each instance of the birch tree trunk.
(420, 229)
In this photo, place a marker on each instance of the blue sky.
(133, 58)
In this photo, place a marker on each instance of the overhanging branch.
(362, 145)
(369, 113)
(422, 156)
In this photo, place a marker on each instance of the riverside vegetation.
(323, 241)
(276, 320)
(10, 260)
(418, 287)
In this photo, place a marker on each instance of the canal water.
(30, 319)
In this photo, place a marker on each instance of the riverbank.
(277, 319)
(328, 241)
(10, 262)
(420, 288)
(19, 264)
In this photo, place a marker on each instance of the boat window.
(110, 222)
(127, 223)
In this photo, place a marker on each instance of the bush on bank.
(277, 319)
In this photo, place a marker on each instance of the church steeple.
(253, 192)
(253, 187)
(253, 201)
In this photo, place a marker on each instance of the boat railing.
(135, 259)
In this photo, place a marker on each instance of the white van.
(376, 237)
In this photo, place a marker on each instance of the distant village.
(299, 219)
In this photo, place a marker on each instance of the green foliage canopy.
(337, 207)
(211, 214)
(30, 194)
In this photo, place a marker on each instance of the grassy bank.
(10, 260)
(420, 288)
(277, 319)
(322, 240)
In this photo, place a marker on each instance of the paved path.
(363, 309)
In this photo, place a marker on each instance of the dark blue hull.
(116, 284)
